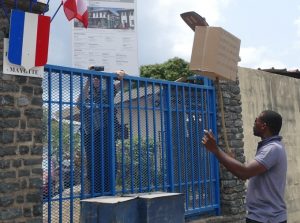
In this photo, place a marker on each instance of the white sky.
(269, 30)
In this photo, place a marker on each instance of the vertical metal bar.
(162, 135)
(139, 138)
(82, 148)
(112, 137)
(211, 158)
(203, 151)
(154, 134)
(147, 137)
(198, 143)
(49, 120)
(60, 147)
(209, 154)
(71, 150)
(178, 141)
(131, 139)
(169, 147)
(206, 153)
(123, 164)
(91, 105)
(191, 146)
(185, 152)
(101, 139)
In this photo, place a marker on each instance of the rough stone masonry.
(21, 145)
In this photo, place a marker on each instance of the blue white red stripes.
(28, 39)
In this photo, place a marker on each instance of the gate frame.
(208, 87)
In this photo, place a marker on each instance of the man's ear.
(264, 125)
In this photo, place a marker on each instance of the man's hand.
(120, 74)
(209, 141)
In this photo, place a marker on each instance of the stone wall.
(232, 188)
(21, 145)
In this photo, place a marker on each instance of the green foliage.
(137, 156)
(65, 138)
(171, 70)
(56, 129)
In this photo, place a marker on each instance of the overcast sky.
(269, 30)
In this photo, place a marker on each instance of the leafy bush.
(137, 163)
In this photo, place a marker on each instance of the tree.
(171, 70)
(55, 136)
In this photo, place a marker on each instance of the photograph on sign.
(109, 18)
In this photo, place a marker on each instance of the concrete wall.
(260, 91)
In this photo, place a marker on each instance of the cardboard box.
(215, 53)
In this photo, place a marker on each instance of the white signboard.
(111, 37)
(9, 68)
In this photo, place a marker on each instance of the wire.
(56, 11)
(220, 99)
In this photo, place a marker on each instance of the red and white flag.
(76, 9)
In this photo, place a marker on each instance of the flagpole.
(56, 11)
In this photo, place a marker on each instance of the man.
(266, 172)
(93, 103)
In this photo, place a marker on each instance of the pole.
(56, 11)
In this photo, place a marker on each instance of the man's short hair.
(273, 120)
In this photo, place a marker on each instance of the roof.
(284, 72)
(111, 10)
(134, 94)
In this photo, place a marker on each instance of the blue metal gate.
(133, 136)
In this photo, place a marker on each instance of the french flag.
(28, 39)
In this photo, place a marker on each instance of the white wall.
(260, 91)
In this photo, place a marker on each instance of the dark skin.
(240, 170)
